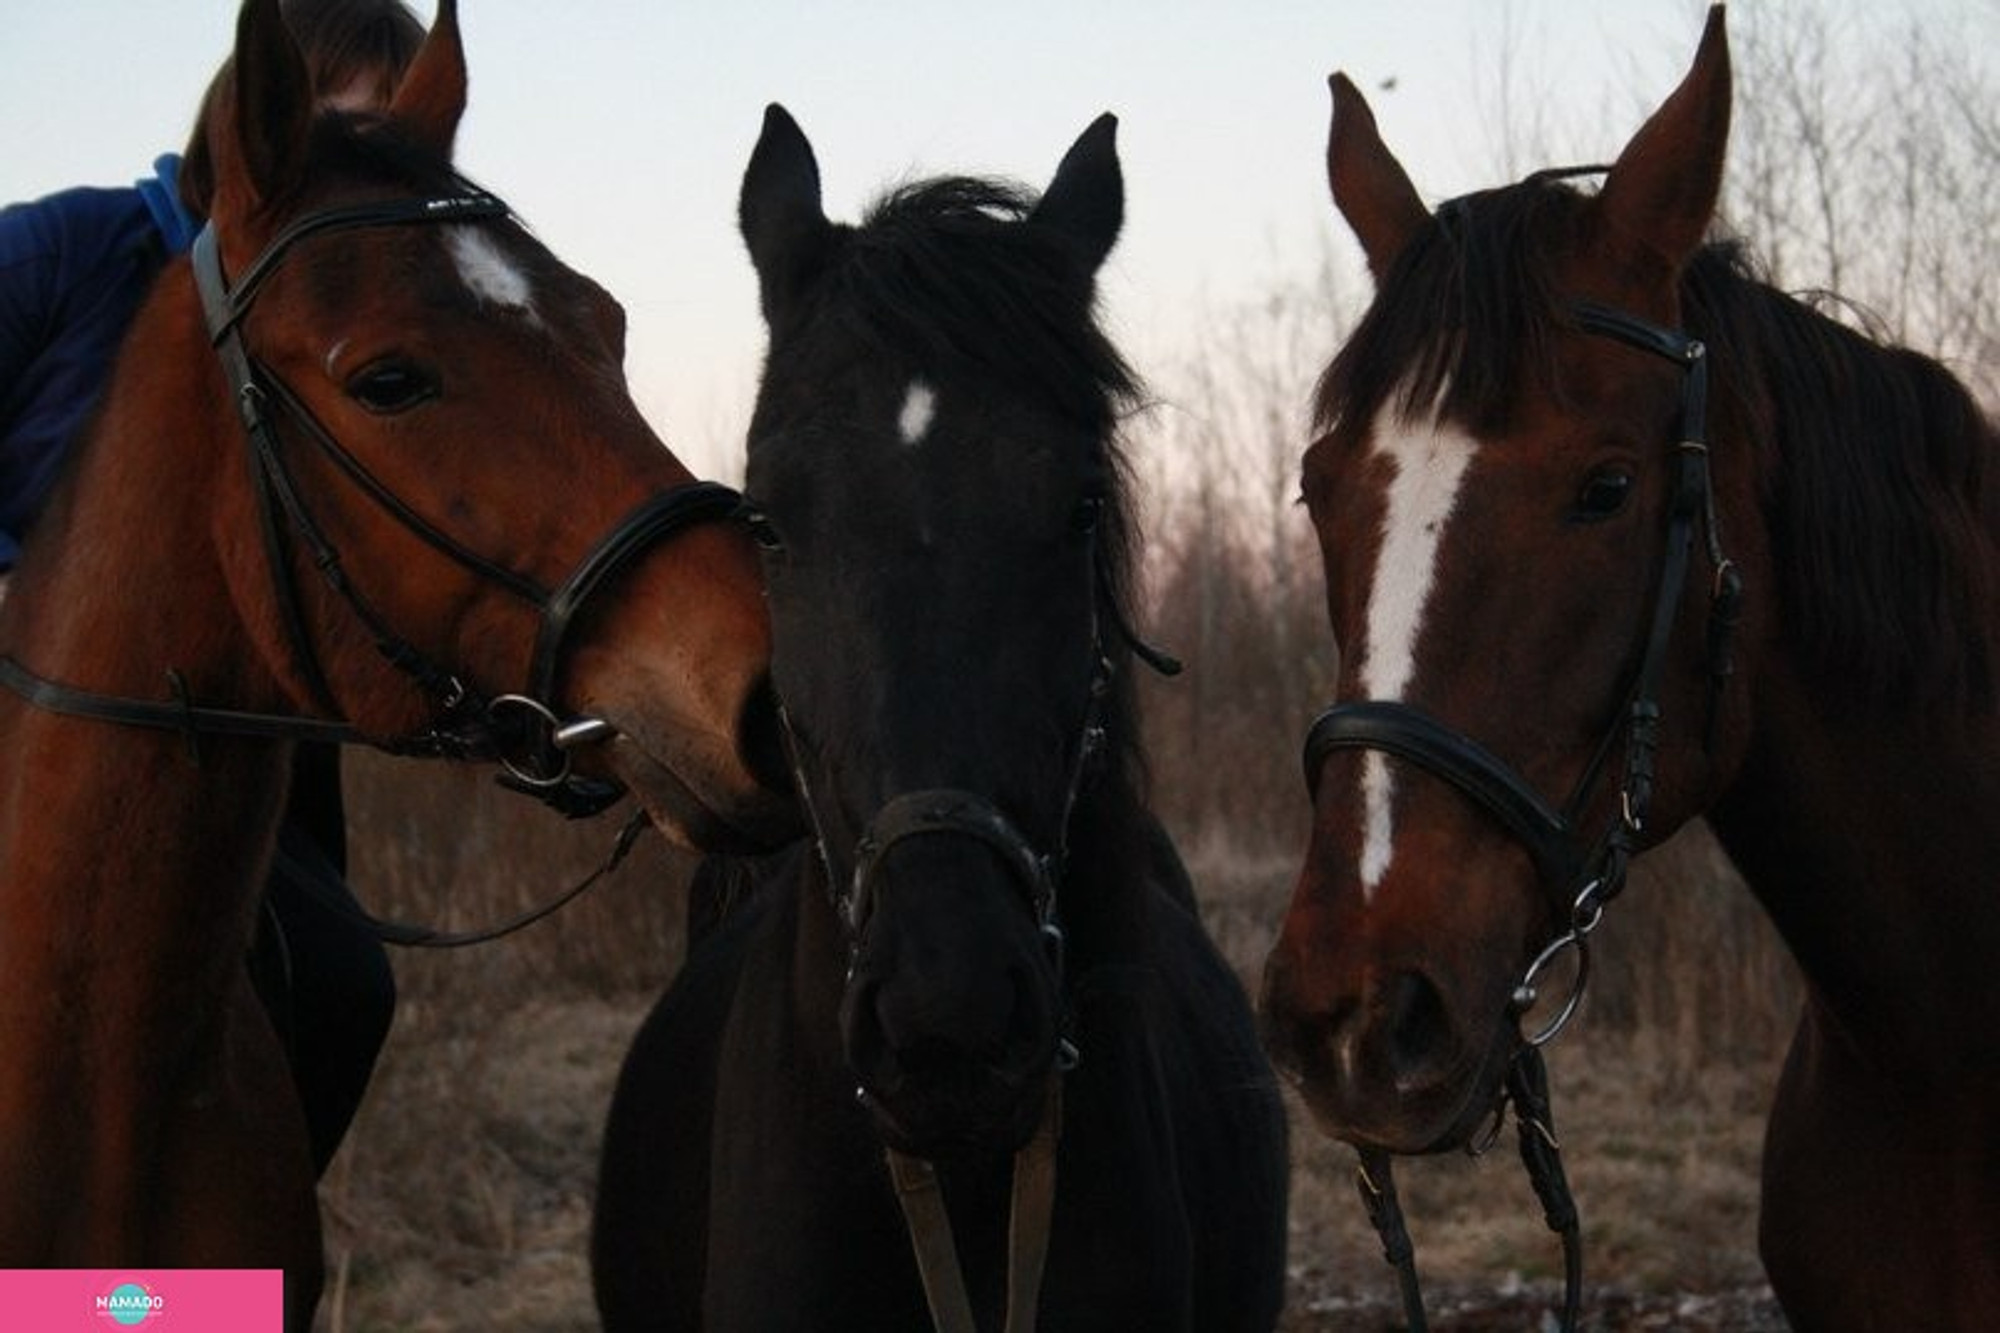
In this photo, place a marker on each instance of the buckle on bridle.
(533, 747)
(1585, 914)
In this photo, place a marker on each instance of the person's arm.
(29, 267)
(73, 269)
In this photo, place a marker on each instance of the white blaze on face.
(1428, 461)
(487, 271)
(913, 422)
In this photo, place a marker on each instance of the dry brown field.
(462, 1199)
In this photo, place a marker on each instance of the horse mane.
(951, 277)
(1872, 460)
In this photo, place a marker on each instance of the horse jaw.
(672, 792)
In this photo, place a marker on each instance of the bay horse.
(367, 469)
(1602, 513)
(987, 901)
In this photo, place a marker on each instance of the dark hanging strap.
(328, 895)
(1376, 1180)
(1031, 1211)
(1541, 1155)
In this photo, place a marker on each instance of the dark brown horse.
(935, 471)
(444, 497)
(1615, 535)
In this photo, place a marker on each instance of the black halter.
(523, 732)
(1580, 875)
(936, 811)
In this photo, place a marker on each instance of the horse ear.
(431, 98)
(1086, 200)
(257, 135)
(1662, 191)
(1370, 187)
(779, 210)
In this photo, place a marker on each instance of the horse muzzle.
(1390, 1063)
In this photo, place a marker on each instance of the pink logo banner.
(153, 1300)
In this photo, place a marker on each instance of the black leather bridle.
(523, 732)
(1579, 873)
(951, 811)
(939, 811)
(955, 812)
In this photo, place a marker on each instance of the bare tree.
(1233, 561)
(1865, 162)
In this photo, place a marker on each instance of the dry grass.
(462, 1198)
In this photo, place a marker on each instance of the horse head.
(458, 478)
(1518, 531)
(939, 504)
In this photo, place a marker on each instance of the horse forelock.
(949, 276)
(348, 148)
(1464, 322)
(947, 281)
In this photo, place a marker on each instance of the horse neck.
(119, 826)
(1871, 840)
(127, 575)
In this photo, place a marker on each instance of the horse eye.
(389, 386)
(1603, 495)
(1089, 513)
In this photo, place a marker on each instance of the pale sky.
(619, 130)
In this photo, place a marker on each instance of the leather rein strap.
(1541, 1158)
(921, 1195)
(1581, 877)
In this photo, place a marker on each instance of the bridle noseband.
(1579, 874)
(523, 732)
(942, 811)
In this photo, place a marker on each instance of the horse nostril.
(1031, 1030)
(929, 1056)
(1006, 1031)
(1416, 1025)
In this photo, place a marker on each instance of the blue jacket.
(73, 269)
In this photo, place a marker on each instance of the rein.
(1580, 876)
(1031, 1209)
(522, 732)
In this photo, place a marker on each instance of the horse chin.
(950, 1119)
(705, 816)
(1441, 1112)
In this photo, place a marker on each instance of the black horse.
(990, 938)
